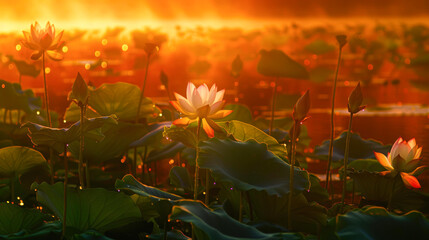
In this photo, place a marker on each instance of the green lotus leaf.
(281, 123)
(215, 224)
(165, 152)
(129, 183)
(306, 216)
(377, 223)
(14, 219)
(118, 98)
(116, 141)
(242, 132)
(50, 230)
(15, 160)
(239, 112)
(171, 235)
(370, 165)
(183, 135)
(57, 137)
(359, 148)
(154, 135)
(249, 166)
(317, 193)
(89, 209)
(13, 98)
(377, 188)
(319, 47)
(180, 178)
(26, 69)
(373, 186)
(276, 63)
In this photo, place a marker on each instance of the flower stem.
(291, 175)
(346, 159)
(240, 211)
(207, 196)
(389, 204)
(196, 160)
(81, 146)
(273, 105)
(331, 143)
(134, 165)
(48, 114)
(12, 188)
(66, 177)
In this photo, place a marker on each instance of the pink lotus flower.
(200, 102)
(403, 158)
(43, 40)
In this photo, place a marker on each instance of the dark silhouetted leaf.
(16, 160)
(94, 208)
(249, 165)
(276, 63)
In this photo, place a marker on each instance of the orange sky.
(92, 13)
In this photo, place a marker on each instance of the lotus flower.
(43, 40)
(403, 158)
(203, 103)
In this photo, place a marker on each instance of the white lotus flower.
(200, 102)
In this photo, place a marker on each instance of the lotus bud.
(164, 79)
(355, 100)
(302, 107)
(80, 90)
(342, 40)
(149, 48)
(237, 66)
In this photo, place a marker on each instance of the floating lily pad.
(359, 148)
(276, 63)
(94, 208)
(249, 166)
(119, 98)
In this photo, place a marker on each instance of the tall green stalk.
(331, 143)
(346, 159)
(48, 114)
(291, 175)
(12, 188)
(197, 149)
(66, 177)
(389, 203)
(19, 111)
(207, 196)
(196, 160)
(134, 167)
(273, 105)
(81, 149)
